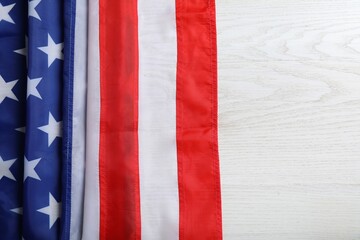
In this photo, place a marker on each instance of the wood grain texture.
(289, 119)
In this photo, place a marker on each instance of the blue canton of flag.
(12, 115)
(31, 57)
(42, 161)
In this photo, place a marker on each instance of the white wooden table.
(289, 115)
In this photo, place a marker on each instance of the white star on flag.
(6, 89)
(23, 51)
(53, 210)
(17, 210)
(53, 129)
(29, 168)
(53, 50)
(21, 129)
(32, 87)
(5, 168)
(4, 13)
(32, 11)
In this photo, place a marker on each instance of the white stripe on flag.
(91, 203)
(157, 120)
(78, 128)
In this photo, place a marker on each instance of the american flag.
(108, 120)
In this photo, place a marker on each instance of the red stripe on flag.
(197, 144)
(119, 171)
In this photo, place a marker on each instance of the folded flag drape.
(108, 120)
(43, 129)
(12, 115)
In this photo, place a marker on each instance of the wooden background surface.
(289, 115)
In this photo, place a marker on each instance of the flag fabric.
(153, 113)
(12, 116)
(74, 122)
(111, 130)
(42, 159)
